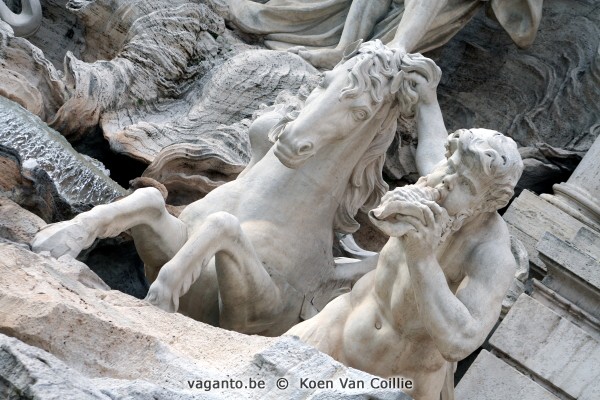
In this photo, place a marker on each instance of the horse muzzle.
(295, 156)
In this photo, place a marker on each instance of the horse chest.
(286, 249)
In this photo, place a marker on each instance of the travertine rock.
(490, 378)
(59, 32)
(551, 347)
(544, 166)
(116, 262)
(191, 170)
(31, 187)
(16, 223)
(106, 335)
(28, 77)
(547, 93)
(148, 91)
(232, 92)
(157, 50)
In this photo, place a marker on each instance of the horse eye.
(360, 114)
(322, 81)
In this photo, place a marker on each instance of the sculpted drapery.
(319, 23)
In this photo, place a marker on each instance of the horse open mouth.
(285, 156)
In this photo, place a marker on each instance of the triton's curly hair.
(494, 155)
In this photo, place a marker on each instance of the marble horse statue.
(254, 252)
(27, 22)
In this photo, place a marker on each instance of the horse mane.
(373, 70)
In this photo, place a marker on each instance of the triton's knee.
(226, 223)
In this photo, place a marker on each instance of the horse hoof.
(67, 237)
(160, 297)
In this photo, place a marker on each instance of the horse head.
(355, 107)
(363, 93)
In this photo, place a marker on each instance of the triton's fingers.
(428, 216)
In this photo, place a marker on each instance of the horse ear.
(396, 82)
(351, 49)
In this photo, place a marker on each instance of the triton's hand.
(424, 240)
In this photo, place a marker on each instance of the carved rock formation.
(107, 336)
(547, 93)
(17, 224)
(147, 90)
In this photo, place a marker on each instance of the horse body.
(254, 251)
(288, 214)
(291, 232)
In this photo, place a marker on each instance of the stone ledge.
(530, 216)
(571, 272)
(492, 379)
(552, 348)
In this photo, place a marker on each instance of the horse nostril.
(305, 148)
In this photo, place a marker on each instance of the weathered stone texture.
(61, 307)
(490, 378)
(572, 272)
(16, 223)
(551, 347)
(530, 216)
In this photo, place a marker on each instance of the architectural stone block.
(572, 272)
(555, 350)
(530, 216)
(492, 379)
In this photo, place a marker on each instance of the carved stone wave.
(230, 93)
(191, 170)
(162, 47)
(78, 179)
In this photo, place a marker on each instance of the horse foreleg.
(251, 301)
(157, 234)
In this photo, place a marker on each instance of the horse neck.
(331, 168)
(317, 188)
